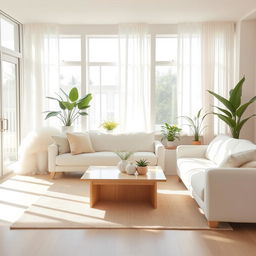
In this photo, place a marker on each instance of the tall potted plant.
(170, 133)
(234, 109)
(71, 107)
(196, 125)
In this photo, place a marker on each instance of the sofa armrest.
(230, 194)
(160, 153)
(191, 151)
(52, 153)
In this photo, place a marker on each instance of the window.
(9, 34)
(165, 80)
(102, 79)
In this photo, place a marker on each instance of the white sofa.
(142, 144)
(221, 178)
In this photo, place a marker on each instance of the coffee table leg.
(94, 194)
(154, 195)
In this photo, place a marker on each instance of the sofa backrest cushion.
(223, 147)
(135, 142)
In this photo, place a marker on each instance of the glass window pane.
(70, 76)
(9, 35)
(94, 75)
(166, 49)
(70, 49)
(166, 99)
(103, 49)
(108, 75)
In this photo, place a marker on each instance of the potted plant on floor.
(234, 109)
(196, 125)
(124, 156)
(109, 126)
(170, 133)
(142, 166)
(71, 107)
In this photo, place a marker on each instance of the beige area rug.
(65, 205)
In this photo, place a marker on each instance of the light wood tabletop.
(108, 183)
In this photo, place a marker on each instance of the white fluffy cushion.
(79, 143)
(134, 142)
(238, 159)
(222, 147)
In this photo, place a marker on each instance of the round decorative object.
(122, 165)
(142, 170)
(131, 168)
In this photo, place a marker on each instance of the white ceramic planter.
(66, 129)
(171, 144)
(122, 165)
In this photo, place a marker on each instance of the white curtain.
(41, 75)
(205, 62)
(135, 86)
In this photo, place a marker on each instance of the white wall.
(246, 66)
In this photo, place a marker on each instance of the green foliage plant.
(124, 155)
(170, 132)
(232, 115)
(142, 163)
(71, 107)
(109, 125)
(196, 124)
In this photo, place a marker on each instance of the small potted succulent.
(109, 126)
(124, 156)
(142, 166)
(170, 133)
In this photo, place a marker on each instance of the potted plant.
(71, 107)
(170, 133)
(142, 166)
(195, 125)
(124, 156)
(109, 125)
(234, 109)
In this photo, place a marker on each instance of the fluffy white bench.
(221, 178)
(142, 144)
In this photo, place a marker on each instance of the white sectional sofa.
(221, 178)
(142, 144)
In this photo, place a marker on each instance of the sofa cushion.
(198, 183)
(251, 164)
(189, 166)
(222, 146)
(101, 158)
(135, 142)
(62, 143)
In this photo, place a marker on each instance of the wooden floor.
(240, 241)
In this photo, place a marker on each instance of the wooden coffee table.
(108, 183)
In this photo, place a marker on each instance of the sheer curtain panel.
(134, 77)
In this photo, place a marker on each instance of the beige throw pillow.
(62, 143)
(80, 143)
(238, 159)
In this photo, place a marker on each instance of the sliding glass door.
(10, 56)
(9, 112)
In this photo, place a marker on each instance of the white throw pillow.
(238, 159)
(62, 143)
(80, 143)
(251, 164)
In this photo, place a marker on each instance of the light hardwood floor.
(241, 241)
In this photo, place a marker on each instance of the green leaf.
(52, 98)
(53, 113)
(84, 102)
(229, 121)
(62, 106)
(224, 111)
(236, 94)
(224, 101)
(73, 95)
(82, 113)
(242, 108)
(69, 105)
(241, 124)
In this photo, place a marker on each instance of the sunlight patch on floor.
(173, 192)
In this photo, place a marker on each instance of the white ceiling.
(123, 11)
